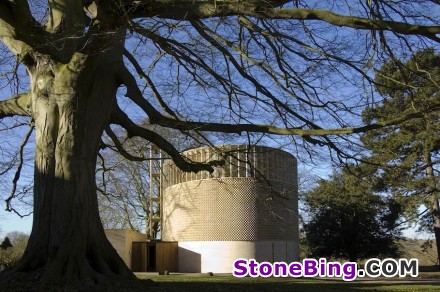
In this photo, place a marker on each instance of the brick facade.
(253, 197)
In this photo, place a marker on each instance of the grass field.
(188, 282)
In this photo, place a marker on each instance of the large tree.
(289, 68)
(348, 220)
(407, 155)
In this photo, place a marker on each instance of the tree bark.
(435, 209)
(71, 105)
(436, 215)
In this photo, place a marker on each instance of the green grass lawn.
(228, 283)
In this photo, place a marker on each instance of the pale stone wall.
(122, 239)
(229, 209)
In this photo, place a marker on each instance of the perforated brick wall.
(244, 208)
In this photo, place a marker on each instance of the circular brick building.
(247, 208)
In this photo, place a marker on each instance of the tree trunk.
(435, 211)
(436, 215)
(71, 105)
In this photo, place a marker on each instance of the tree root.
(38, 281)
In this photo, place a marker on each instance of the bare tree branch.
(156, 117)
(120, 147)
(18, 173)
(192, 10)
(277, 34)
(133, 130)
(21, 33)
(17, 105)
(150, 83)
(66, 17)
(352, 21)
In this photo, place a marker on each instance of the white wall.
(218, 256)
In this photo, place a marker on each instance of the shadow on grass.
(212, 284)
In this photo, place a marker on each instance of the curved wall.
(218, 256)
(247, 208)
(228, 209)
(263, 163)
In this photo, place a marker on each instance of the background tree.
(12, 249)
(256, 68)
(124, 185)
(6, 243)
(124, 194)
(349, 221)
(408, 154)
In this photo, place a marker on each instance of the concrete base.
(218, 256)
